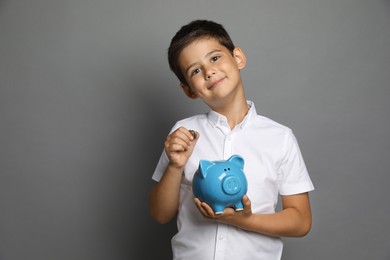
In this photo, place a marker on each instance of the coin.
(193, 133)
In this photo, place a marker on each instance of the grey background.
(86, 100)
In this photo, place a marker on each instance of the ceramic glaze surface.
(221, 184)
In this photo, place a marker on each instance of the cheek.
(196, 82)
(232, 65)
(231, 69)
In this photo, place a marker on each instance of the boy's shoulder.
(267, 122)
(263, 122)
(269, 131)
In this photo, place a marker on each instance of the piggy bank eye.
(228, 169)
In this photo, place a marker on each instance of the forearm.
(164, 196)
(293, 221)
(289, 222)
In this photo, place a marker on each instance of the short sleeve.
(161, 166)
(293, 175)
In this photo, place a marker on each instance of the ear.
(240, 57)
(188, 91)
(204, 165)
(237, 160)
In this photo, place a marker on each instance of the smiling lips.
(216, 83)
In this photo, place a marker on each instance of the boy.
(208, 65)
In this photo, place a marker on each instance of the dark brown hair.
(191, 32)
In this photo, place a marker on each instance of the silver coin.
(193, 133)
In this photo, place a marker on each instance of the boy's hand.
(179, 146)
(229, 215)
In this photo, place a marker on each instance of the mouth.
(216, 83)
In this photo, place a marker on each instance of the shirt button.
(220, 237)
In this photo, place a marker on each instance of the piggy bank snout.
(231, 185)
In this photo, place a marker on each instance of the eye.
(195, 71)
(215, 58)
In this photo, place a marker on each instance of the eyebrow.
(207, 55)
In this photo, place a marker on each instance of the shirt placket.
(222, 230)
(220, 243)
(227, 148)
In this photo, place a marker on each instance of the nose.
(209, 72)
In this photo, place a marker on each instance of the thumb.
(196, 135)
(195, 139)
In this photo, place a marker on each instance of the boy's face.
(211, 70)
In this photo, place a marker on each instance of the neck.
(234, 112)
(234, 107)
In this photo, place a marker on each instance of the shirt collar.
(216, 119)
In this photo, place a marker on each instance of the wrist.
(174, 167)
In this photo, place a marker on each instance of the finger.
(247, 205)
(176, 144)
(178, 147)
(184, 134)
(190, 134)
(246, 201)
(208, 210)
(198, 204)
(179, 137)
(194, 134)
(182, 140)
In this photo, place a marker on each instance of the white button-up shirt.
(273, 166)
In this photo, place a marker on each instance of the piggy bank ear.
(237, 160)
(204, 165)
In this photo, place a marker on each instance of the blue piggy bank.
(221, 184)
